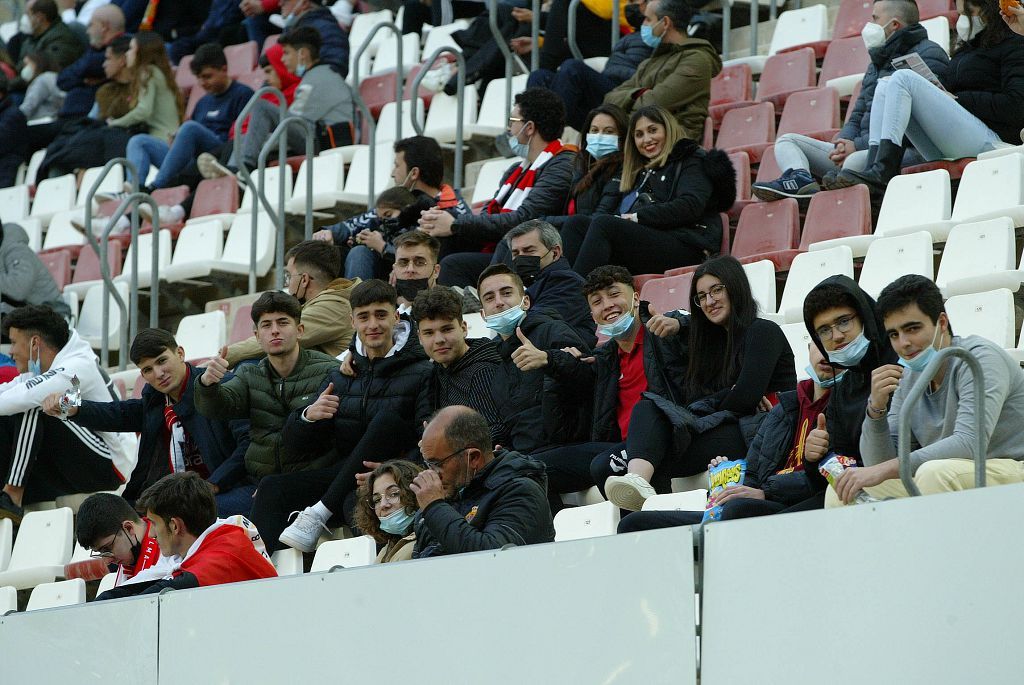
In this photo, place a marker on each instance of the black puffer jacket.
(913, 38)
(768, 453)
(506, 503)
(688, 193)
(558, 290)
(395, 384)
(626, 56)
(665, 361)
(602, 197)
(536, 409)
(989, 83)
(845, 414)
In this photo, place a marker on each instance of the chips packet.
(724, 475)
(834, 466)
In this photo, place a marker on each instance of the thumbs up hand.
(325, 407)
(662, 326)
(527, 357)
(216, 368)
(816, 446)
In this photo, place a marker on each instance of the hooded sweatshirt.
(76, 358)
(677, 77)
(468, 382)
(23, 277)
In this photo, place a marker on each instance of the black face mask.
(526, 267)
(408, 287)
(634, 16)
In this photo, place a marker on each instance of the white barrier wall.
(925, 591)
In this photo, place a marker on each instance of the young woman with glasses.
(385, 508)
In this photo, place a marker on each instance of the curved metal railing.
(460, 95)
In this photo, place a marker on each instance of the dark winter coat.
(626, 57)
(769, 451)
(559, 290)
(334, 50)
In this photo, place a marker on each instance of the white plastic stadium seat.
(476, 327)
(113, 183)
(63, 593)
(53, 195)
(591, 521)
(357, 183)
(989, 314)
(43, 548)
(287, 561)
(386, 58)
(35, 232)
(106, 583)
(34, 163)
(991, 188)
(443, 114)
(938, 31)
(236, 256)
(493, 117)
(916, 202)
(386, 121)
(360, 551)
(761, 275)
(798, 339)
(889, 258)
(202, 335)
(8, 600)
(14, 204)
(90, 318)
(6, 541)
(271, 179)
(8, 30)
(362, 25)
(145, 252)
(441, 36)
(61, 233)
(200, 245)
(693, 500)
(794, 27)
(808, 270)
(488, 182)
(979, 256)
(328, 184)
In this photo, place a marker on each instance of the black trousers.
(49, 457)
(639, 248)
(593, 35)
(417, 14)
(731, 510)
(464, 268)
(568, 468)
(386, 437)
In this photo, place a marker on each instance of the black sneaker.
(793, 183)
(10, 510)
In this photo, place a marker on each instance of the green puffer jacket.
(258, 394)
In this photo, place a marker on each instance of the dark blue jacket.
(768, 453)
(218, 112)
(133, 12)
(559, 289)
(222, 443)
(334, 49)
(13, 129)
(72, 80)
(626, 56)
(913, 38)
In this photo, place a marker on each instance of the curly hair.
(365, 517)
(545, 109)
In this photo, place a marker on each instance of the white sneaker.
(210, 167)
(628, 492)
(304, 531)
(436, 79)
(169, 215)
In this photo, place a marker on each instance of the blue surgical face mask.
(519, 149)
(34, 365)
(504, 322)
(919, 362)
(826, 383)
(602, 144)
(397, 522)
(850, 355)
(618, 328)
(290, 20)
(647, 36)
(300, 70)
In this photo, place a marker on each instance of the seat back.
(8, 599)
(811, 112)
(853, 101)
(785, 73)
(88, 266)
(184, 77)
(989, 314)
(493, 116)
(357, 181)
(271, 188)
(145, 252)
(798, 339)
(489, 180)
(62, 593)
(808, 270)
(938, 31)
(242, 58)
(767, 227)
(215, 196)
(106, 583)
(837, 214)
(238, 244)
(241, 327)
(44, 539)
(850, 19)
(741, 163)
(377, 90)
(845, 56)
(386, 122)
(6, 543)
(441, 36)
(287, 562)
(691, 500)
(202, 335)
(735, 83)
(889, 258)
(747, 126)
(362, 25)
(444, 112)
(328, 175)
(360, 551)
(989, 185)
(194, 96)
(768, 169)
(976, 249)
(54, 195)
(761, 276)
(59, 265)
(799, 26)
(387, 52)
(935, 8)
(669, 293)
(90, 318)
(913, 200)
(14, 203)
(590, 521)
(63, 234)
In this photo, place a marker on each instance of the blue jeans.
(580, 87)
(361, 262)
(906, 104)
(191, 140)
(237, 500)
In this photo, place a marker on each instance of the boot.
(887, 163)
(834, 179)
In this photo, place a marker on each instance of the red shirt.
(632, 380)
(807, 420)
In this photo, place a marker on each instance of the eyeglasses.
(435, 466)
(392, 496)
(715, 292)
(288, 277)
(106, 551)
(842, 325)
(514, 119)
(418, 262)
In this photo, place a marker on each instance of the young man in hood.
(943, 421)
(374, 415)
(470, 497)
(24, 279)
(311, 275)
(42, 457)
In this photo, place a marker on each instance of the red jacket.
(226, 555)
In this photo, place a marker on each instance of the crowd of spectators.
(363, 400)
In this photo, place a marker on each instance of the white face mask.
(968, 28)
(27, 72)
(25, 25)
(873, 35)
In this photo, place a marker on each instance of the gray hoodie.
(23, 277)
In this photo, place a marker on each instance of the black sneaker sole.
(770, 194)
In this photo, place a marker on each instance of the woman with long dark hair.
(735, 360)
(674, 192)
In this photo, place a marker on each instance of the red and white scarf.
(518, 184)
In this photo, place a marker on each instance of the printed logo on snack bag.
(472, 514)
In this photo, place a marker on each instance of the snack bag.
(834, 466)
(1005, 5)
(719, 478)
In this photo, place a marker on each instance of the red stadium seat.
(241, 327)
(853, 101)
(837, 214)
(669, 293)
(748, 129)
(58, 263)
(184, 77)
(215, 196)
(255, 79)
(195, 95)
(813, 113)
(733, 87)
(242, 58)
(844, 57)
(938, 8)
(852, 16)
(769, 169)
(954, 167)
(784, 74)
(377, 91)
(768, 230)
(708, 140)
(740, 162)
(88, 266)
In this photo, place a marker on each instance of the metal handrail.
(726, 27)
(278, 136)
(535, 37)
(492, 19)
(615, 23)
(574, 47)
(755, 19)
(365, 111)
(460, 103)
(915, 394)
(282, 110)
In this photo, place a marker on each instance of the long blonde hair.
(634, 162)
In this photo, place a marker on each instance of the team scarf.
(518, 184)
(149, 16)
(149, 555)
(182, 453)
